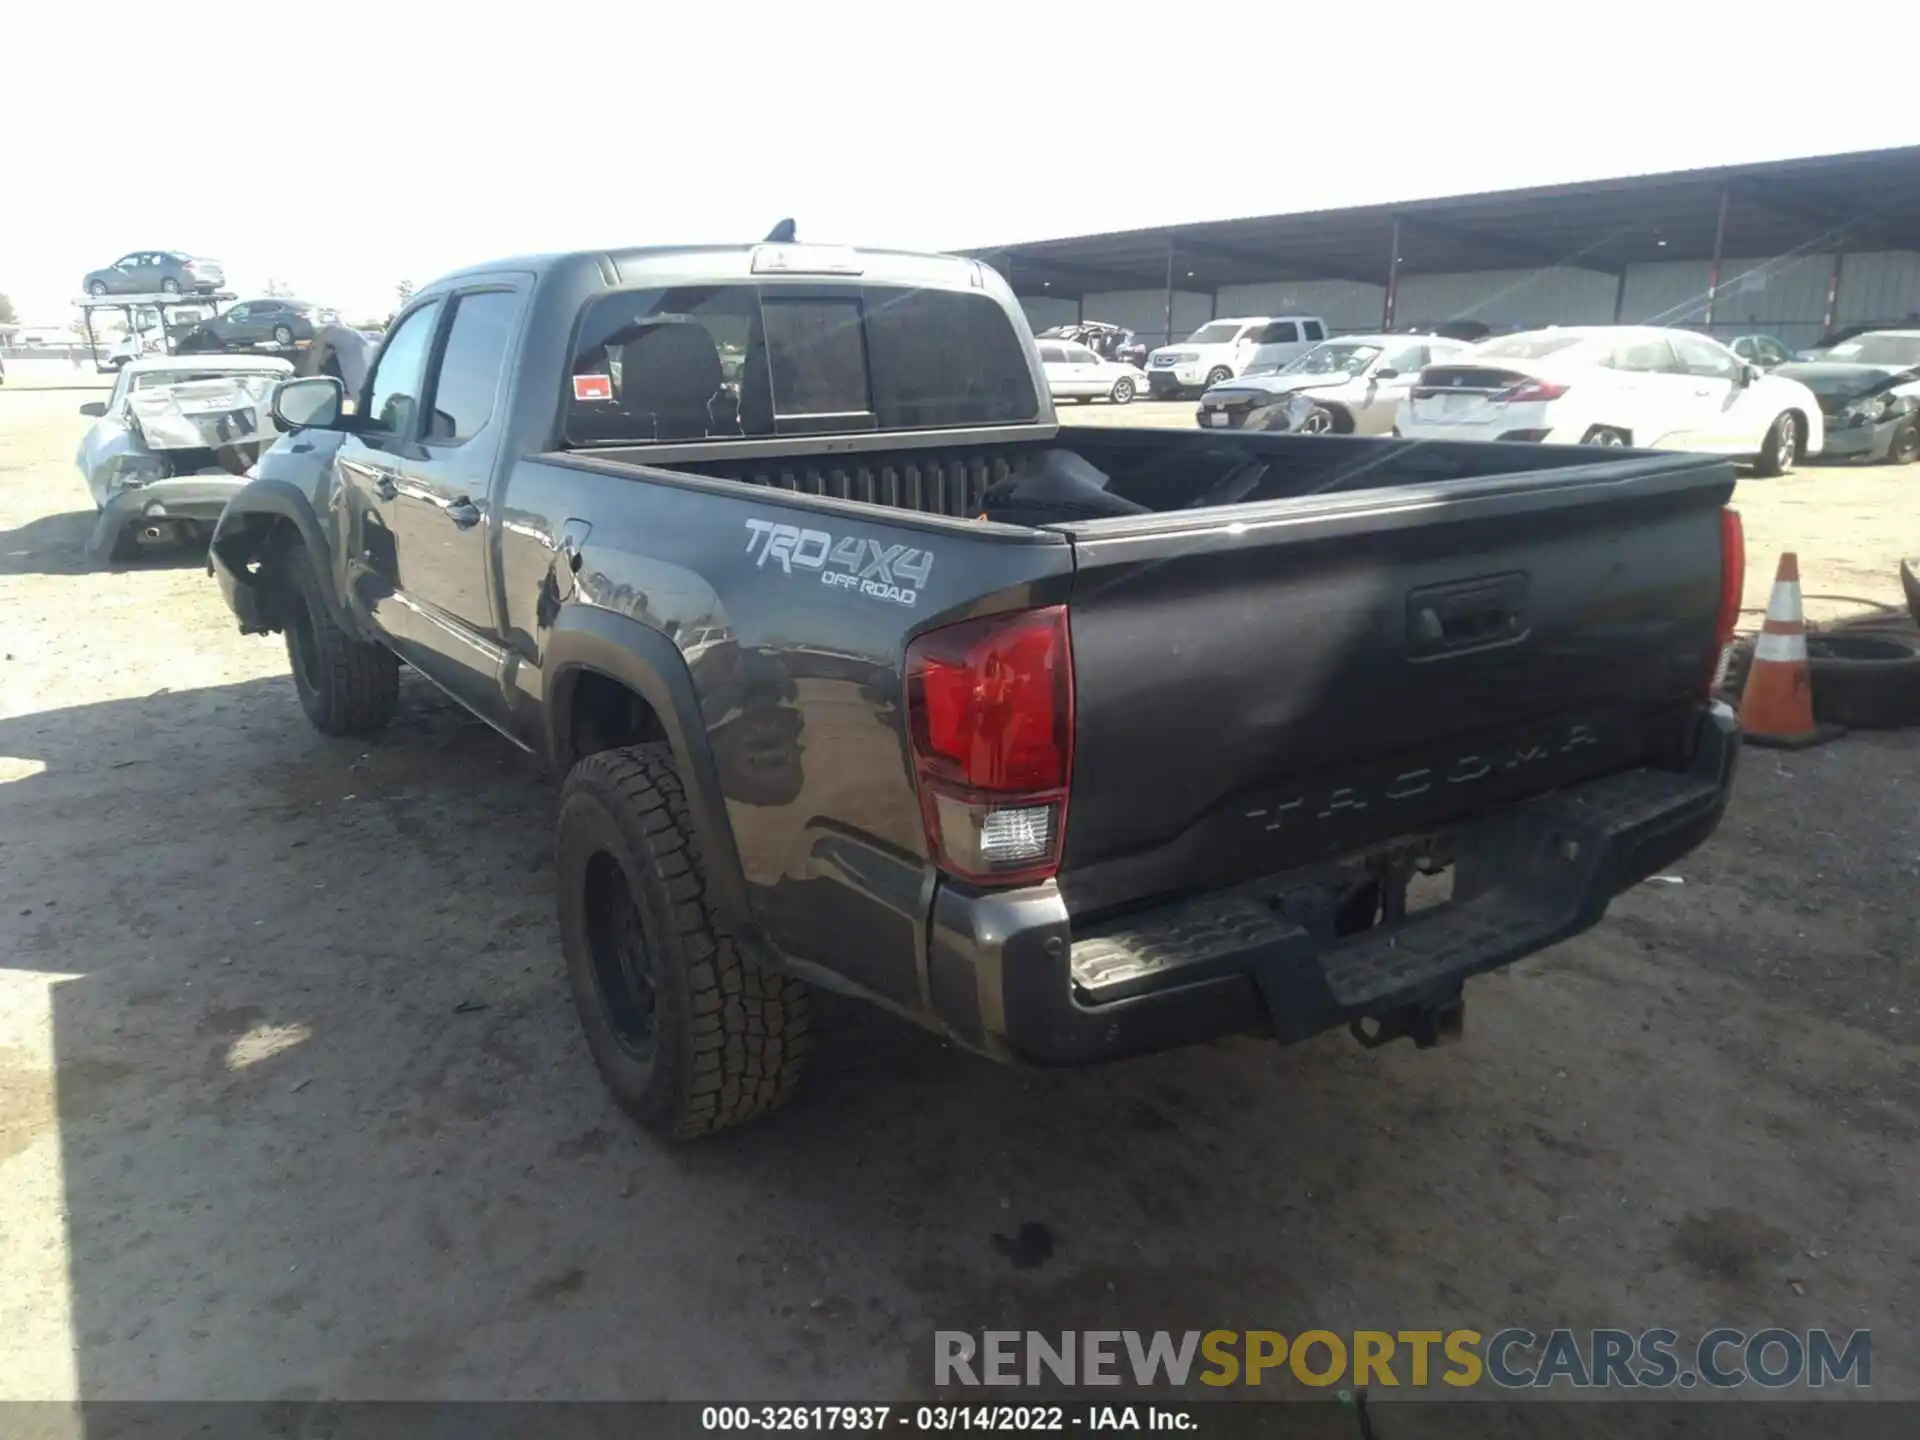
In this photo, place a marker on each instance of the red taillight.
(990, 715)
(1733, 584)
(1529, 392)
(1733, 572)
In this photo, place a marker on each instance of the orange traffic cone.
(1776, 707)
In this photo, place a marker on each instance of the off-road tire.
(726, 1040)
(346, 685)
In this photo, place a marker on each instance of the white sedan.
(1076, 373)
(1652, 388)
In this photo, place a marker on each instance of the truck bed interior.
(1090, 474)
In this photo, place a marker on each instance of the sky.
(341, 147)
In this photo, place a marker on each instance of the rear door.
(1654, 399)
(442, 517)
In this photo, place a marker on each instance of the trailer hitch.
(1430, 1023)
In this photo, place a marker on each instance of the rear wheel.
(1781, 448)
(1122, 391)
(1904, 447)
(282, 335)
(170, 287)
(1605, 435)
(688, 1036)
(347, 686)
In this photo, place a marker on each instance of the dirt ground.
(292, 1101)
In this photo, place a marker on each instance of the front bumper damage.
(1010, 976)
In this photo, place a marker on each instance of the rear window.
(724, 361)
(1526, 347)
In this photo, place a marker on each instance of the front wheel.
(347, 686)
(688, 1036)
(1318, 421)
(1904, 447)
(96, 287)
(1781, 448)
(1122, 391)
(1604, 435)
(1218, 375)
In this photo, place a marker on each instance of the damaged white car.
(174, 442)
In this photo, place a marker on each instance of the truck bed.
(1378, 638)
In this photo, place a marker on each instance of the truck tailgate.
(1262, 686)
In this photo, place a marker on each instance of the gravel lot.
(292, 1102)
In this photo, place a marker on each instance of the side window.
(393, 390)
(1701, 357)
(1410, 361)
(1771, 353)
(1052, 355)
(1313, 330)
(1281, 332)
(1081, 355)
(470, 364)
(1646, 357)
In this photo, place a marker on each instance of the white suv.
(1220, 350)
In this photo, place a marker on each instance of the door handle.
(385, 486)
(462, 512)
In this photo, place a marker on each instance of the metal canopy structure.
(1867, 200)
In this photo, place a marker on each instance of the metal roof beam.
(1820, 212)
(1019, 265)
(1288, 269)
(1518, 251)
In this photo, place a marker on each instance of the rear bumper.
(190, 497)
(1008, 974)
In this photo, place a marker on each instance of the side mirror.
(1750, 373)
(311, 403)
(96, 408)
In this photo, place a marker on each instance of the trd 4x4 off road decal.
(893, 573)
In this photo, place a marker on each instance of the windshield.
(1526, 347)
(715, 362)
(1878, 350)
(1333, 358)
(1217, 333)
(1838, 382)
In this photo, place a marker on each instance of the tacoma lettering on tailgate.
(880, 571)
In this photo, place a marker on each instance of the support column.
(1719, 244)
(1619, 297)
(1169, 339)
(1393, 279)
(1833, 293)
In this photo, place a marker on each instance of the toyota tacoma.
(864, 674)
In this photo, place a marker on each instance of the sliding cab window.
(393, 390)
(744, 361)
(470, 365)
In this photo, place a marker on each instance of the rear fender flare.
(585, 639)
(238, 537)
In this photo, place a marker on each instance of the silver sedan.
(1352, 385)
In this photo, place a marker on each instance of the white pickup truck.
(1222, 350)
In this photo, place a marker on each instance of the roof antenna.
(781, 234)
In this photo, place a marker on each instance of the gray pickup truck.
(1069, 744)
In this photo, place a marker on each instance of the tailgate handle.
(1467, 615)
